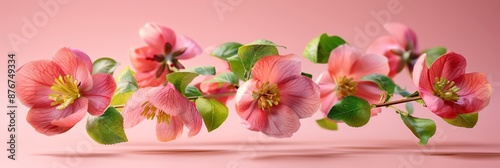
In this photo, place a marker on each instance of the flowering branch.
(387, 104)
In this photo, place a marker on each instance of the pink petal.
(383, 46)
(438, 106)
(72, 114)
(370, 92)
(342, 59)
(101, 93)
(191, 118)
(254, 118)
(327, 95)
(140, 59)
(403, 34)
(148, 79)
(450, 66)
(282, 122)
(369, 64)
(72, 65)
(34, 80)
(169, 131)
(193, 49)
(301, 95)
(133, 108)
(274, 69)
(475, 93)
(156, 36)
(421, 75)
(80, 55)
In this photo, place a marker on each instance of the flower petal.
(72, 65)
(192, 119)
(300, 94)
(369, 64)
(438, 106)
(327, 95)
(384, 46)
(80, 55)
(192, 48)
(370, 92)
(274, 69)
(133, 108)
(72, 114)
(41, 118)
(148, 79)
(253, 118)
(169, 131)
(156, 36)
(421, 75)
(403, 34)
(101, 93)
(282, 122)
(34, 80)
(140, 59)
(342, 59)
(475, 93)
(450, 66)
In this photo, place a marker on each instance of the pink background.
(111, 29)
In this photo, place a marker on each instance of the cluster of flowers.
(273, 97)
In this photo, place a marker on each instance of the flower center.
(345, 87)
(66, 91)
(168, 60)
(446, 89)
(267, 95)
(150, 112)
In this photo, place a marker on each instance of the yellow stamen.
(65, 93)
(445, 89)
(150, 112)
(267, 95)
(345, 87)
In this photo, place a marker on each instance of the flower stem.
(119, 106)
(387, 104)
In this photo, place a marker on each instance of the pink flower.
(60, 92)
(161, 55)
(170, 108)
(277, 96)
(214, 88)
(346, 67)
(402, 40)
(447, 90)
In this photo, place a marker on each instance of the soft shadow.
(81, 155)
(228, 143)
(467, 155)
(181, 152)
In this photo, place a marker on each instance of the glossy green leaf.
(250, 54)
(264, 42)
(327, 124)
(310, 76)
(384, 83)
(181, 80)
(464, 120)
(206, 70)
(108, 128)
(212, 111)
(422, 128)
(433, 54)
(318, 49)
(226, 77)
(126, 86)
(192, 91)
(237, 67)
(104, 65)
(226, 50)
(354, 111)
(409, 107)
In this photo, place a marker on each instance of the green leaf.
(401, 91)
(384, 83)
(318, 49)
(237, 67)
(206, 70)
(250, 54)
(181, 80)
(422, 128)
(192, 91)
(327, 124)
(126, 86)
(226, 50)
(104, 65)
(354, 111)
(264, 42)
(409, 107)
(226, 77)
(212, 111)
(310, 76)
(433, 54)
(464, 120)
(108, 128)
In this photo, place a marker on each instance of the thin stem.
(213, 95)
(398, 102)
(119, 106)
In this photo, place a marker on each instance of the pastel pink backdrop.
(111, 28)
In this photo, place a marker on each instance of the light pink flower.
(161, 55)
(214, 88)
(447, 90)
(277, 96)
(401, 39)
(60, 92)
(170, 108)
(346, 66)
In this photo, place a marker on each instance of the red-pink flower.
(346, 66)
(215, 88)
(447, 90)
(402, 41)
(161, 55)
(170, 108)
(277, 96)
(60, 92)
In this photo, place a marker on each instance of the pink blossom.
(346, 67)
(215, 88)
(402, 40)
(161, 55)
(60, 92)
(170, 108)
(447, 90)
(277, 96)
